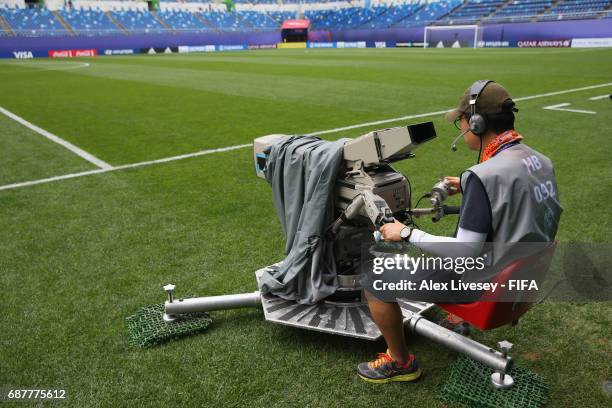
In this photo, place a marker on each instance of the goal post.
(454, 36)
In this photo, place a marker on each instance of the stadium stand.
(98, 17)
(575, 9)
(364, 15)
(88, 22)
(403, 15)
(394, 15)
(430, 13)
(184, 21)
(258, 1)
(33, 22)
(225, 21)
(519, 11)
(281, 16)
(138, 21)
(472, 11)
(181, 1)
(330, 18)
(257, 20)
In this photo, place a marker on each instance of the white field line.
(586, 88)
(47, 66)
(224, 149)
(562, 107)
(422, 115)
(74, 149)
(596, 98)
(378, 122)
(122, 167)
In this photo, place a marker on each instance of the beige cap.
(490, 100)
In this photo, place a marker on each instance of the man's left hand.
(391, 231)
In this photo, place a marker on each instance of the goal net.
(459, 36)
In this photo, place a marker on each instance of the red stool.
(487, 313)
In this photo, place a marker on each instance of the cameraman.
(509, 196)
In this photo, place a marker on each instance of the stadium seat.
(487, 313)
(472, 11)
(575, 9)
(259, 21)
(520, 11)
(138, 21)
(33, 22)
(196, 16)
(183, 21)
(430, 13)
(89, 22)
(225, 21)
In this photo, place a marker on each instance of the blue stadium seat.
(259, 21)
(430, 13)
(404, 15)
(575, 9)
(364, 16)
(183, 21)
(225, 21)
(138, 21)
(33, 22)
(520, 11)
(472, 11)
(89, 22)
(40, 21)
(281, 16)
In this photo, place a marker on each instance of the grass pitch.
(78, 255)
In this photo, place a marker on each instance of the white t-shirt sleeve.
(467, 243)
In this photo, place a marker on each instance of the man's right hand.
(454, 184)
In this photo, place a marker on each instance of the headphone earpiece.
(478, 125)
(478, 122)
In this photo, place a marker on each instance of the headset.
(478, 123)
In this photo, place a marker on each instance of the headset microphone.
(454, 145)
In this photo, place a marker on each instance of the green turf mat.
(469, 385)
(147, 327)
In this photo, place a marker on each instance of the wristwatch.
(405, 233)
